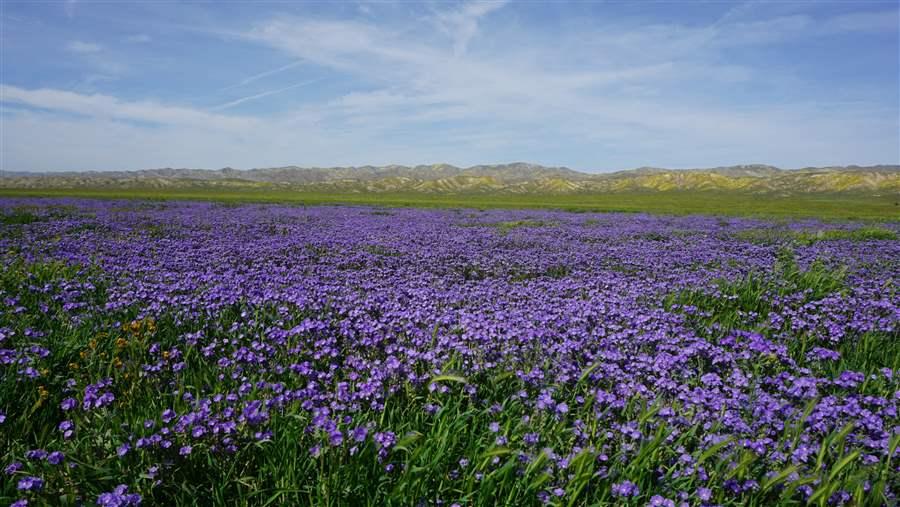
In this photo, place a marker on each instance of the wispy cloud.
(263, 94)
(462, 24)
(602, 84)
(339, 44)
(262, 75)
(424, 80)
(105, 106)
(99, 63)
(77, 46)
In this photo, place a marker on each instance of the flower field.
(165, 353)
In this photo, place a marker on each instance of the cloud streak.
(263, 94)
(105, 106)
(261, 75)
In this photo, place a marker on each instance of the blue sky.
(596, 86)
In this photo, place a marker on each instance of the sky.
(595, 86)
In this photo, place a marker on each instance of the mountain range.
(513, 178)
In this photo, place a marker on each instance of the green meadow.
(822, 206)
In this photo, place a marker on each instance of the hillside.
(512, 179)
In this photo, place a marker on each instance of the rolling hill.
(511, 179)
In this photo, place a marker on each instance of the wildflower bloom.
(385, 439)
(660, 501)
(359, 434)
(320, 322)
(704, 494)
(119, 497)
(67, 429)
(36, 454)
(625, 489)
(30, 483)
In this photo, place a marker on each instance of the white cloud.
(77, 46)
(421, 80)
(462, 24)
(105, 106)
(339, 44)
(45, 140)
(97, 61)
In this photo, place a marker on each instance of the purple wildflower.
(119, 497)
(359, 433)
(67, 429)
(625, 489)
(30, 483)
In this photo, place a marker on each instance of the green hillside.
(826, 206)
(830, 192)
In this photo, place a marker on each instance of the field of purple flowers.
(170, 353)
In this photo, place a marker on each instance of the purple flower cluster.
(119, 497)
(625, 489)
(96, 395)
(30, 483)
(328, 315)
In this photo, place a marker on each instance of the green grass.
(746, 303)
(829, 207)
(734, 300)
(781, 235)
(861, 234)
(18, 217)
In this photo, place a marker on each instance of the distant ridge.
(512, 178)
